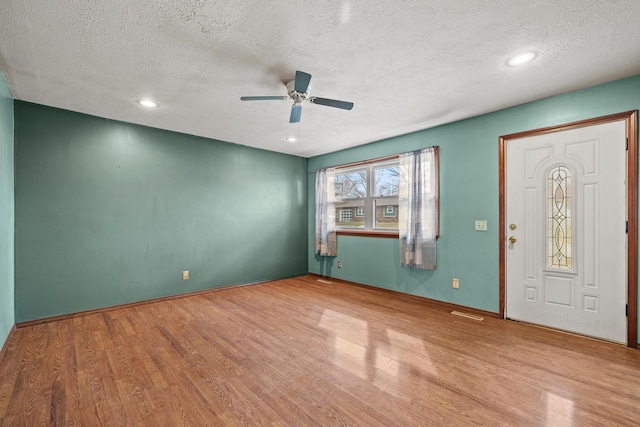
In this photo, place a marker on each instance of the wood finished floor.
(298, 352)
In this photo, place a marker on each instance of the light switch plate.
(481, 225)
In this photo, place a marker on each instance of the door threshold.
(563, 331)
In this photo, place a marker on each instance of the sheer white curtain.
(326, 244)
(417, 214)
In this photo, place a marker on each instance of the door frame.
(631, 121)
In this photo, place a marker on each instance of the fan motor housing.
(295, 94)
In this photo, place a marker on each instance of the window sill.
(363, 233)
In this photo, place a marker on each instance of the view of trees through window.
(367, 196)
(386, 179)
(351, 185)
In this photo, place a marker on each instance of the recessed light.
(148, 103)
(523, 58)
(291, 139)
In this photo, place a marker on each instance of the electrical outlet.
(339, 264)
(185, 275)
(456, 284)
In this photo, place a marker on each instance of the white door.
(565, 217)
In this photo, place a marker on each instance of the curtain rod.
(364, 162)
(377, 159)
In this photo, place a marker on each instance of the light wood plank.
(301, 352)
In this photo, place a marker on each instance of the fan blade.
(263, 98)
(332, 103)
(296, 112)
(302, 81)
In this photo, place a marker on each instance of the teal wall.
(6, 212)
(109, 213)
(468, 191)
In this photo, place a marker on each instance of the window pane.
(386, 213)
(386, 180)
(360, 188)
(350, 214)
(351, 185)
(559, 200)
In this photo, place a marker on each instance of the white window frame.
(370, 199)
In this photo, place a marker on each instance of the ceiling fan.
(297, 90)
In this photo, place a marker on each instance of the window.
(345, 215)
(559, 218)
(369, 192)
(365, 198)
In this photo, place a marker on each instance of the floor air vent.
(468, 316)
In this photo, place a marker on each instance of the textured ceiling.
(407, 65)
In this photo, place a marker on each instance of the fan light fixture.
(291, 139)
(148, 103)
(523, 58)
